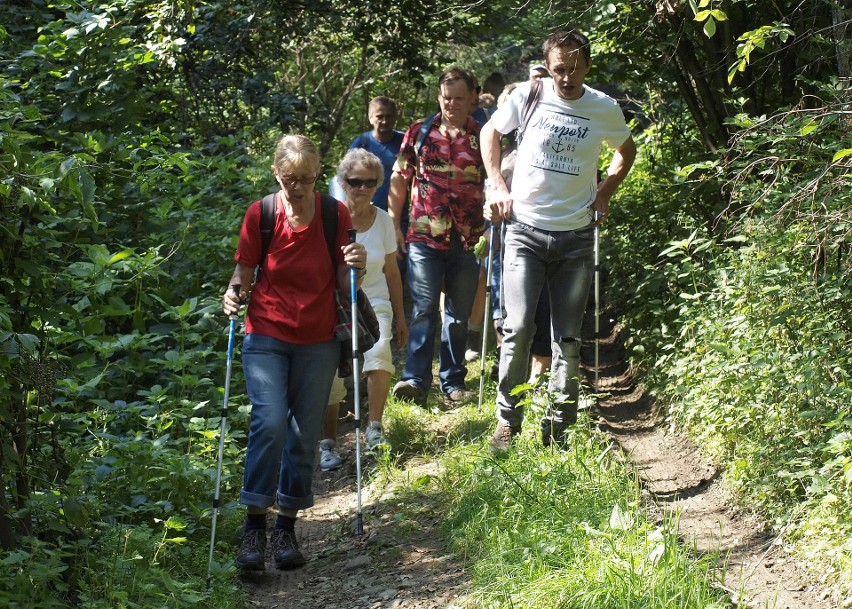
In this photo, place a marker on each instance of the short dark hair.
(455, 73)
(568, 38)
(494, 84)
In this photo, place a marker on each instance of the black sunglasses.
(358, 183)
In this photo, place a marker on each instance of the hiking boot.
(330, 459)
(374, 435)
(555, 431)
(553, 436)
(285, 549)
(407, 390)
(459, 395)
(252, 554)
(503, 436)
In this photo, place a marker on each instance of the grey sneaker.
(407, 390)
(503, 436)
(252, 554)
(330, 459)
(285, 550)
(375, 437)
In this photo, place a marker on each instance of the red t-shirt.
(293, 299)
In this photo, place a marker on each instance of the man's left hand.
(600, 207)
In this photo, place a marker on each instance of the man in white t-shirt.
(550, 215)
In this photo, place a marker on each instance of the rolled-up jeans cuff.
(294, 503)
(255, 499)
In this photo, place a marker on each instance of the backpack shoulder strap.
(267, 225)
(424, 129)
(328, 206)
(536, 87)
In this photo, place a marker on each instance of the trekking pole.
(231, 331)
(486, 318)
(356, 382)
(597, 302)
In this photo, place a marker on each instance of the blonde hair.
(295, 153)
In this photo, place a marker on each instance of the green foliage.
(133, 133)
(552, 528)
(742, 322)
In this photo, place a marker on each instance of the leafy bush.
(744, 323)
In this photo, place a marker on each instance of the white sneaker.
(330, 459)
(374, 435)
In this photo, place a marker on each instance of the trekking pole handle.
(236, 288)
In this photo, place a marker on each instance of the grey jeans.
(564, 261)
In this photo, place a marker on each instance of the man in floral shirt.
(441, 166)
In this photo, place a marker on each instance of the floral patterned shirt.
(448, 184)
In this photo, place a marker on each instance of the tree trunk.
(694, 106)
(8, 539)
(841, 15)
(19, 445)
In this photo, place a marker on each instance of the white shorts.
(338, 391)
(379, 357)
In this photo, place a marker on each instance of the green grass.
(541, 527)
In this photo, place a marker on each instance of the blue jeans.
(564, 262)
(288, 386)
(429, 270)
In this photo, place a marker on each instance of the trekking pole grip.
(236, 288)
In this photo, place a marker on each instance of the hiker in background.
(440, 156)
(491, 89)
(538, 71)
(478, 112)
(289, 353)
(493, 85)
(550, 211)
(383, 141)
(360, 172)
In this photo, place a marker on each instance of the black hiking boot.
(252, 554)
(285, 549)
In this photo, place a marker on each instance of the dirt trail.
(399, 563)
(394, 564)
(681, 482)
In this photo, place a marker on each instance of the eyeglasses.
(358, 183)
(292, 180)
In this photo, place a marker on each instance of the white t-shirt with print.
(555, 177)
(379, 240)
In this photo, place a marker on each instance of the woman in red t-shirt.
(289, 352)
